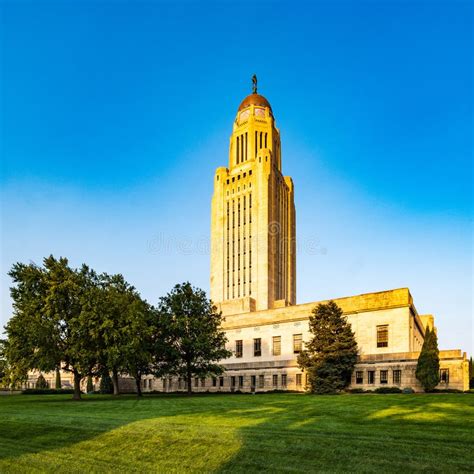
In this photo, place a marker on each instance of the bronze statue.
(254, 83)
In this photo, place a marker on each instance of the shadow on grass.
(236, 433)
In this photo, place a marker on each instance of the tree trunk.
(115, 382)
(77, 385)
(189, 379)
(138, 382)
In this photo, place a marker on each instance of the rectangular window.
(276, 350)
(359, 376)
(257, 347)
(214, 381)
(261, 381)
(299, 380)
(221, 381)
(275, 380)
(383, 376)
(232, 381)
(196, 382)
(444, 375)
(203, 382)
(283, 380)
(253, 381)
(382, 336)
(297, 343)
(239, 349)
(180, 383)
(397, 377)
(241, 381)
(371, 376)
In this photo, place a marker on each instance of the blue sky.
(115, 115)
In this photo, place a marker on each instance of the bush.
(47, 391)
(356, 390)
(408, 390)
(446, 390)
(387, 390)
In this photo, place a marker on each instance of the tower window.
(237, 152)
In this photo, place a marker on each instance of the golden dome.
(254, 99)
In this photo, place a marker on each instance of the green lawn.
(238, 433)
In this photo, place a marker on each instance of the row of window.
(238, 250)
(276, 346)
(237, 381)
(241, 145)
(396, 376)
(238, 177)
(382, 341)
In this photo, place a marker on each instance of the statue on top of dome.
(254, 83)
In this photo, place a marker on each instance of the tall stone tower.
(253, 256)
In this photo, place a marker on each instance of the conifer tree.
(427, 368)
(331, 354)
(58, 384)
(90, 385)
(41, 382)
(106, 383)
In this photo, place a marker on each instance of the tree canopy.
(330, 355)
(98, 325)
(192, 336)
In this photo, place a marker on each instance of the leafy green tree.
(427, 368)
(41, 382)
(58, 384)
(120, 326)
(105, 383)
(49, 326)
(331, 354)
(140, 350)
(191, 342)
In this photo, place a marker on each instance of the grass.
(238, 433)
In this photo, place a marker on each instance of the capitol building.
(253, 280)
(253, 284)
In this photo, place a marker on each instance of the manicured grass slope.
(238, 433)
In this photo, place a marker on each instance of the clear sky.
(114, 116)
